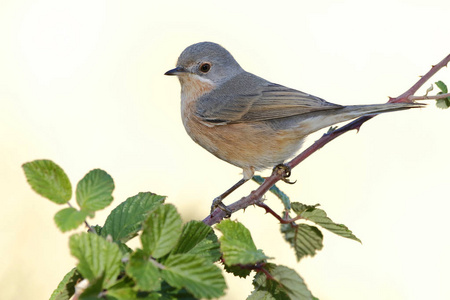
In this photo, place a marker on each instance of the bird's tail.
(318, 120)
(356, 111)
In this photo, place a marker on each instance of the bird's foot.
(285, 172)
(217, 203)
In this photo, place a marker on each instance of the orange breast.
(250, 145)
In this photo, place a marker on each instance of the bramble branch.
(277, 216)
(426, 97)
(218, 214)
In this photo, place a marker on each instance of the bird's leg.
(217, 202)
(284, 171)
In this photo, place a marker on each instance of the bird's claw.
(217, 203)
(285, 172)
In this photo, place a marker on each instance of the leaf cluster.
(176, 260)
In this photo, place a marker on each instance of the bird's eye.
(205, 67)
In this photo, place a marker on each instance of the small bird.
(246, 120)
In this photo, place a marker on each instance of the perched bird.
(246, 120)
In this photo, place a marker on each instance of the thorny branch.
(254, 198)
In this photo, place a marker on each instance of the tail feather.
(311, 122)
(355, 111)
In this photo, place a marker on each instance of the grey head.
(207, 60)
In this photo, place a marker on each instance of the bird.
(246, 120)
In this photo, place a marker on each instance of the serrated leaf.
(260, 295)
(124, 221)
(198, 275)
(94, 191)
(161, 231)
(276, 191)
(237, 244)
(284, 282)
(442, 86)
(198, 238)
(48, 180)
(305, 239)
(144, 272)
(237, 270)
(97, 257)
(299, 208)
(291, 283)
(69, 218)
(66, 288)
(208, 248)
(320, 217)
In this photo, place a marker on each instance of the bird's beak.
(176, 71)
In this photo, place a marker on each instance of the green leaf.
(442, 86)
(291, 283)
(48, 180)
(305, 239)
(260, 295)
(122, 294)
(276, 191)
(66, 288)
(443, 103)
(131, 294)
(284, 282)
(144, 272)
(97, 257)
(320, 217)
(161, 231)
(124, 222)
(124, 248)
(198, 275)
(299, 208)
(94, 191)
(124, 280)
(237, 244)
(198, 238)
(94, 289)
(69, 218)
(237, 270)
(171, 293)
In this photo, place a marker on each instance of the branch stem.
(425, 97)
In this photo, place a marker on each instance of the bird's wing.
(248, 98)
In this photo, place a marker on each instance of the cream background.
(81, 83)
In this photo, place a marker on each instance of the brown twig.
(277, 216)
(218, 214)
(405, 96)
(426, 97)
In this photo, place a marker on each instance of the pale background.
(82, 83)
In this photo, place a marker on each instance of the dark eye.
(205, 67)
